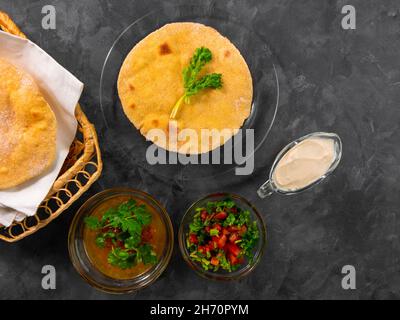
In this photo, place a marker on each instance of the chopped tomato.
(120, 244)
(232, 248)
(211, 245)
(207, 228)
(108, 243)
(220, 241)
(214, 261)
(234, 237)
(233, 259)
(225, 231)
(221, 215)
(233, 210)
(243, 230)
(204, 215)
(106, 229)
(111, 229)
(147, 234)
(204, 249)
(193, 238)
(233, 228)
(217, 226)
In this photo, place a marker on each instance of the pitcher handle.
(265, 190)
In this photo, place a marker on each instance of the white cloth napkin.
(62, 91)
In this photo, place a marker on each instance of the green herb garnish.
(230, 220)
(191, 82)
(121, 229)
(214, 232)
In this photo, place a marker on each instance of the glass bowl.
(84, 266)
(223, 275)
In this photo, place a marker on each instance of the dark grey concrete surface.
(346, 82)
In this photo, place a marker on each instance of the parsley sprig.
(191, 83)
(122, 227)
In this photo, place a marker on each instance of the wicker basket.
(82, 167)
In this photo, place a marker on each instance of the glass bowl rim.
(248, 268)
(153, 274)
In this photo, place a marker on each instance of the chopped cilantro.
(121, 227)
(214, 232)
(230, 220)
(92, 223)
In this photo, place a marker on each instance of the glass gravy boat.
(270, 187)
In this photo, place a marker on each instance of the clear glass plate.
(128, 141)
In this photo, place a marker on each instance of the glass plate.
(128, 140)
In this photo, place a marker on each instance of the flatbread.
(150, 83)
(27, 128)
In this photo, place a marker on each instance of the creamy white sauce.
(304, 163)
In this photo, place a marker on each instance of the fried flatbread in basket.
(27, 128)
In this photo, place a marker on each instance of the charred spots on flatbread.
(165, 49)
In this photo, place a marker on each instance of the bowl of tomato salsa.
(222, 236)
(121, 240)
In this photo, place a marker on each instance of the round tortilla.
(150, 83)
(27, 128)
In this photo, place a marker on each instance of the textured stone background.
(332, 80)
